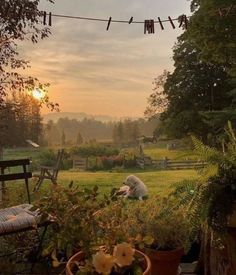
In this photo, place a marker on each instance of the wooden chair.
(49, 172)
(20, 218)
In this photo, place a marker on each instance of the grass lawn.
(158, 182)
(161, 153)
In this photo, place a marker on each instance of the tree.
(63, 138)
(213, 31)
(194, 87)
(20, 20)
(157, 100)
(20, 120)
(79, 139)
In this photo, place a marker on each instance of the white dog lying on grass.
(134, 188)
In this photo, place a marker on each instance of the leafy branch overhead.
(20, 20)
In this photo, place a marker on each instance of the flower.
(124, 254)
(103, 263)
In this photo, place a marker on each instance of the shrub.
(129, 156)
(95, 150)
(112, 161)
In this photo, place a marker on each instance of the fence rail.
(181, 164)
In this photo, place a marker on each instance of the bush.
(48, 157)
(129, 156)
(94, 150)
(112, 161)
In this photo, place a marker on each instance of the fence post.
(165, 163)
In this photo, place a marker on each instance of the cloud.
(96, 71)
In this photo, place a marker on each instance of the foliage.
(157, 101)
(212, 34)
(192, 89)
(112, 161)
(19, 21)
(212, 198)
(155, 223)
(94, 149)
(127, 131)
(129, 156)
(72, 210)
(20, 120)
(47, 157)
(120, 260)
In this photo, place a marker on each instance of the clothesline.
(105, 20)
(149, 24)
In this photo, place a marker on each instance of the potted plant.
(211, 202)
(74, 228)
(79, 230)
(123, 260)
(160, 231)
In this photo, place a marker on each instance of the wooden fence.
(180, 164)
(168, 164)
(80, 163)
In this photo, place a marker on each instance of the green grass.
(158, 182)
(161, 153)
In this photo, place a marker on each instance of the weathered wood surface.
(178, 164)
(4, 164)
(80, 163)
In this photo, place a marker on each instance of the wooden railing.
(6, 164)
(178, 164)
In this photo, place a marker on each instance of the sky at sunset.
(99, 72)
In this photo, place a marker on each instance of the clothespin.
(50, 19)
(108, 24)
(44, 17)
(160, 22)
(149, 26)
(183, 21)
(131, 20)
(171, 22)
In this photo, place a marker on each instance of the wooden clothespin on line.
(149, 26)
(49, 18)
(171, 22)
(109, 23)
(160, 22)
(183, 21)
(131, 20)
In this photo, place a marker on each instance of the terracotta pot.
(80, 256)
(165, 262)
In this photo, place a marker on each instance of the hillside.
(80, 116)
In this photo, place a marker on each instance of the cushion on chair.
(18, 218)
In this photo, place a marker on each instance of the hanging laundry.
(149, 26)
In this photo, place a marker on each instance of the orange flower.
(103, 263)
(124, 254)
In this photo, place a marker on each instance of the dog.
(134, 188)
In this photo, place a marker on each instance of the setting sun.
(38, 94)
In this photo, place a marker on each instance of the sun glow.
(38, 94)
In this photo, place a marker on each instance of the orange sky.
(99, 72)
